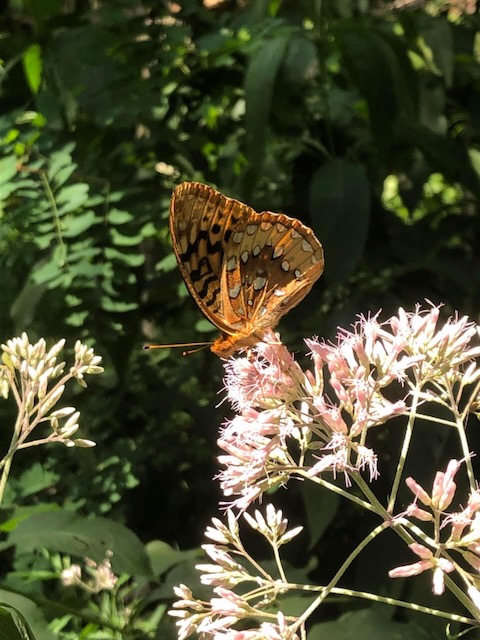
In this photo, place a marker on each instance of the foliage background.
(361, 118)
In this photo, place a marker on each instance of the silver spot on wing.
(234, 291)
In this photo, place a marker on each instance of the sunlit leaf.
(33, 66)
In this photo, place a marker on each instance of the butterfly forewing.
(201, 222)
(244, 269)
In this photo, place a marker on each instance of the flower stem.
(403, 454)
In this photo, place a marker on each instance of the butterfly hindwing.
(271, 263)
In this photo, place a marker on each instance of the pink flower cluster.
(286, 413)
(314, 424)
(463, 527)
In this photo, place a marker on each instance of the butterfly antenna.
(197, 349)
(199, 345)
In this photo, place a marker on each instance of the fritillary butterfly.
(244, 269)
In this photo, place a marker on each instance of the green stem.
(318, 601)
(341, 591)
(5, 474)
(56, 218)
(403, 454)
(332, 487)
(6, 463)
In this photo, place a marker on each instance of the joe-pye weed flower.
(316, 425)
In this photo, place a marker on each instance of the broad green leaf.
(28, 618)
(41, 11)
(259, 84)
(378, 68)
(69, 533)
(320, 509)
(339, 203)
(13, 625)
(432, 105)
(20, 513)
(437, 33)
(300, 63)
(366, 624)
(33, 66)
(163, 557)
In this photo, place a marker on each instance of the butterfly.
(244, 269)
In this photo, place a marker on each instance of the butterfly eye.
(244, 269)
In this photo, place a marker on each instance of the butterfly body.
(244, 269)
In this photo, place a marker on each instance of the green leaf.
(20, 513)
(129, 259)
(163, 557)
(204, 326)
(69, 533)
(339, 203)
(46, 272)
(260, 80)
(72, 197)
(121, 240)
(444, 154)
(378, 68)
(25, 304)
(166, 264)
(35, 479)
(29, 622)
(437, 33)
(320, 509)
(41, 11)
(366, 624)
(13, 625)
(77, 224)
(77, 319)
(32, 67)
(300, 63)
(118, 306)
(63, 174)
(60, 159)
(117, 216)
(8, 169)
